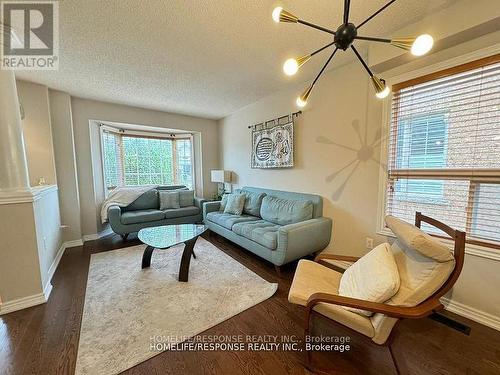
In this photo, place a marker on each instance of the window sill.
(471, 249)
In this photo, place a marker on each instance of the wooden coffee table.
(166, 236)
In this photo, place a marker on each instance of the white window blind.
(444, 153)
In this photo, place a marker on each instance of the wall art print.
(272, 147)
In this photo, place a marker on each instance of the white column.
(13, 165)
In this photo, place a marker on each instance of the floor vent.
(451, 323)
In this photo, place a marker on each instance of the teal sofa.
(145, 212)
(279, 226)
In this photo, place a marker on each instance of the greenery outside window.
(132, 159)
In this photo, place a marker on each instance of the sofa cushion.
(253, 202)
(148, 200)
(374, 277)
(235, 204)
(285, 211)
(169, 199)
(142, 216)
(262, 232)
(228, 220)
(186, 198)
(181, 212)
(311, 277)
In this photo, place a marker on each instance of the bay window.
(134, 159)
(444, 150)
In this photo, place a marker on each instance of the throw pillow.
(169, 200)
(223, 202)
(186, 198)
(235, 204)
(253, 201)
(374, 277)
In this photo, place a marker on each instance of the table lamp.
(221, 177)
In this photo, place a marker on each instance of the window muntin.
(133, 160)
(444, 152)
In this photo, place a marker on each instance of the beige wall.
(37, 132)
(87, 149)
(342, 113)
(65, 162)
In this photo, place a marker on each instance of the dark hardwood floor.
(44, 339)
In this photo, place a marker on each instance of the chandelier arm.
(321, 28)
(372, 39)
(347, 5)
(324, 67)
(362, 61)
(376, 13)
(322, 48)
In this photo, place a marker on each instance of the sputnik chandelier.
(343, 39)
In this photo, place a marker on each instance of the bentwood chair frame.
(422, 310)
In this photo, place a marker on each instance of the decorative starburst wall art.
(363, 153)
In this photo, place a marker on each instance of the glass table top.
(170, 235)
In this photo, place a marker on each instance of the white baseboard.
(53, 266)
(96, 236)
(472, 313)
(38, 299)
(23, 303)
(73, 243)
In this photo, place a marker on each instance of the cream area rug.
(125, 306)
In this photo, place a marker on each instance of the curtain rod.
(295, 114)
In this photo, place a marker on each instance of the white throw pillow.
(374, 277)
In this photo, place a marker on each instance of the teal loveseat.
(145, 212)
(279, 226)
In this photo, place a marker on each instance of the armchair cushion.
(374, 277)
(412, 237)
(310, 278)
(422, 271)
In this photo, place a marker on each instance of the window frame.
(140, 134)
(474, 60)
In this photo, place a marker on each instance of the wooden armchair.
(315, 284)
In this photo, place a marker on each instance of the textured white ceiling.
(205, 58)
